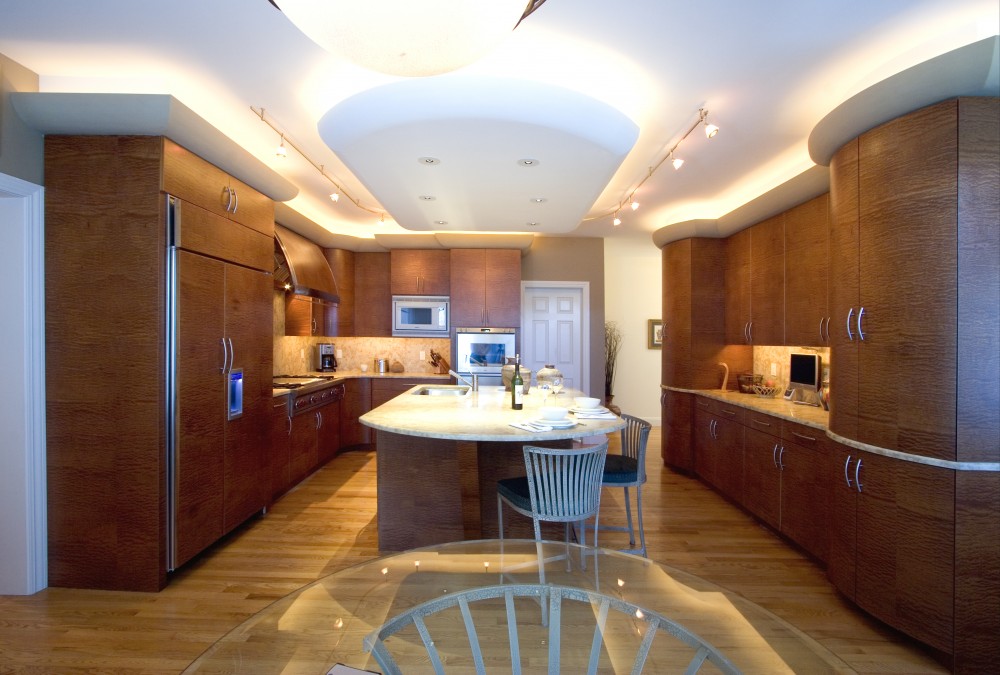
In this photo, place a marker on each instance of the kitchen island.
(439, 458)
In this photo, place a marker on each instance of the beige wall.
(21, 149)
(574, 259)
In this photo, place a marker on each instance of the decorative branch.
(612, 345)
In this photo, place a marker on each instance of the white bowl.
(587, 402)
(553, 413)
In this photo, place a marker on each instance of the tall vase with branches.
(612, 345)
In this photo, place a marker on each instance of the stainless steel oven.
(484, 351)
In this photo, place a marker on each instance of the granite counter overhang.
(808, 415)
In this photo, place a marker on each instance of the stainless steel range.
(307, 392)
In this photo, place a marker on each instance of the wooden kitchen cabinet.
(806, 260)
(762, 473)
(303, 456)
(372, 295)
(108, 452)
(893, 530)
(896, 230)
(806, 467)
(281, 446)
(385, 389)
(420, 271)
(676, 441)
(310, 317)
(342, 264)
(194, 180)
(328, 429)
(767, 282)
(719, 438)
(357, 401)
(486, 287)
(737, 288)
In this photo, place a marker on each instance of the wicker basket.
(747, 381)
(765, 392)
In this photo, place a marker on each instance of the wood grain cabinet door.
(807, 233)
(767, 281)
(737, 283)
(420, 271)
(248, 323)
(762, 476)
(842, 560)
(201, 404)
(486, 288)
(805, 492)
(906, 547)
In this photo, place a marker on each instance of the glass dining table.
(324, 623)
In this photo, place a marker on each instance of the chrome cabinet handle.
(857, 475)
(227, 198)
(314, 326)
(236, 199)
(861, 314)
(746, 331)
(319, 420)
(289, 424)
(761, 423)
(804, 437)
(847, 476)
(774, 455)
(232, 355)
(821, 329)
(850, 335)
(731, 413)
(750, 332)
(781, 454)
(225, 355)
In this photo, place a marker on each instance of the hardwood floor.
(328, 523)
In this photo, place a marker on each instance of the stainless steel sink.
(441, 390)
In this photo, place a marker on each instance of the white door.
(553, 317)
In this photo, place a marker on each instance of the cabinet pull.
(804, 437)
(750, 332)
(774, 455)
(763, 424)
(319, 420)
(289, 424)
(847, 476)
(236, 199)
(821, 329)
(225, 356)
(731, 413)
(746, 331)
(850, 335)
(857, 475)
(712, 429)
(314, 326)
(781, 454)
(861, 314)
(232, 355)
(227, 197)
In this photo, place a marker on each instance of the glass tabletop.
(325, 622)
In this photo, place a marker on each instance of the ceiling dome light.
(402, 37)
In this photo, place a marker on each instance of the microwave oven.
(419, 316)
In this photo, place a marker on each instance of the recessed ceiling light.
(533, 224)
(538, 200)
(440, 222)
(528, 162)
(426, 198)
(428, 160)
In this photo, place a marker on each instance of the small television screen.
(805, 371)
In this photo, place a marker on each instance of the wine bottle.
(517, 385)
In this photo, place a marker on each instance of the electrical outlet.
(422, 355)
(302, 353)
(340, 353)
(774, 368)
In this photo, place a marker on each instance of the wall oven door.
(484, 351)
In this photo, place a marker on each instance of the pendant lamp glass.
(402, 37)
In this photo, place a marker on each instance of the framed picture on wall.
(655, 334)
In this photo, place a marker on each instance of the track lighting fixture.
(710, 129)
(282, 151)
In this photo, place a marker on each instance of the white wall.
(23, 562)
(632, 279)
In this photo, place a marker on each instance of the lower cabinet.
(328, 430)
(357, 401)
(676, 442)
(893, 542)
(281, 447)
(383, 390)
(762, 475)
(718, 439)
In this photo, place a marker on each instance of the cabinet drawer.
(728, 411)
(804, 435)
(768, 424)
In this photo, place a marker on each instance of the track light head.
(281, 150)
(617, 221)
(710, 129)
(676, 161)
(334, 196)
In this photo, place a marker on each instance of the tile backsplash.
(764, 357)
(294, 355)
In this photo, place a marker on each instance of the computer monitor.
(805, 372)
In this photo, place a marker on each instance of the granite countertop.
(341, 375)
(485, 415)
(777, 406)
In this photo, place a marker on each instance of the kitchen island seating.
(612, 618)
(561, 485)
(626, 470)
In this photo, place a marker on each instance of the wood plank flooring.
(328, 523)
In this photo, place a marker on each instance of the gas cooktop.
(299, 381)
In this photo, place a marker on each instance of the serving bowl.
(587, 402)
(553, 413)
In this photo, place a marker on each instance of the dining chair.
(561, 485)
(622, 631)
(627, 470)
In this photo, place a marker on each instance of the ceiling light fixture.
(528, 162)
(402, 37)
(334, 196)
(710, 131)
(280, 151)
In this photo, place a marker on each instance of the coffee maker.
(327, 358)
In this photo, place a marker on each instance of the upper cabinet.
(806, 258)
(754, 282)
(486, 287)
(194, 180)
(420, 272)
(905, 248)
(372, 295)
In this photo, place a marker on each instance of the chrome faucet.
(475, 379)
